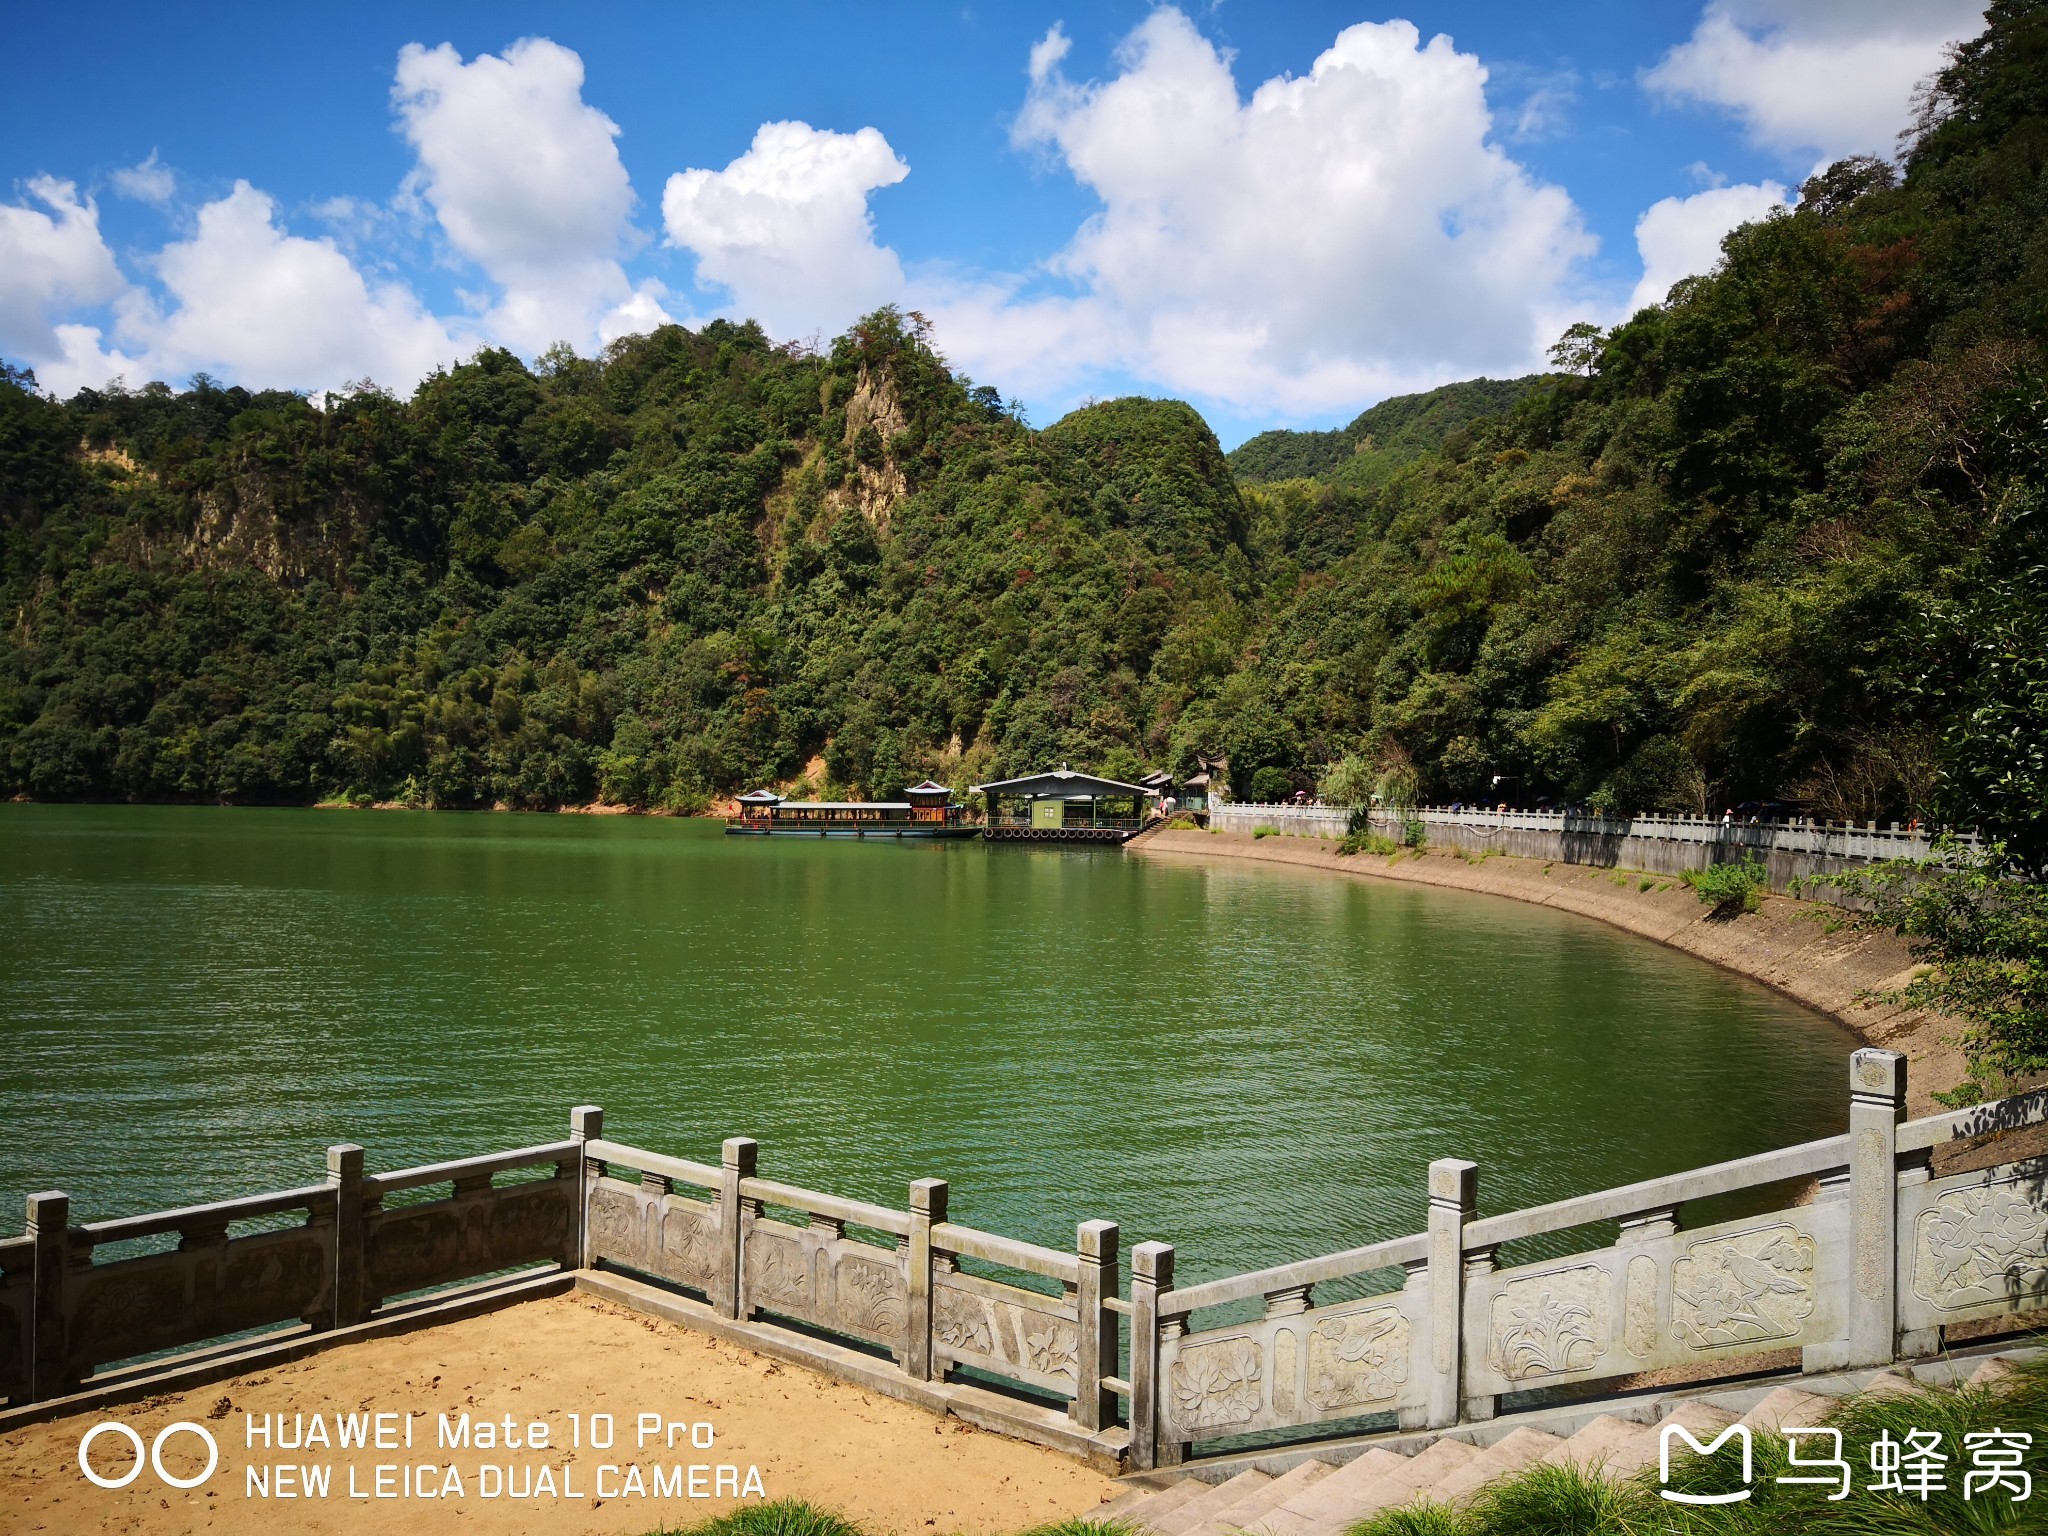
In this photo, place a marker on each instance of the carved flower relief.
(1056, 1350)
(777, 1273)
(1216, 1384)
(690, 1238)
(1552, 1325)
(960, 1323)
(1743, 1289)
(614, 1224)
(1982, 1246)
(1362, 1358)
(871, 1297)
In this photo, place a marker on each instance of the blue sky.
(1281, 212)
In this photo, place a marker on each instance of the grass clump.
(783, 1517)
(1265, 831)
(1729, 888)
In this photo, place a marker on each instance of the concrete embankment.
(1806, 950)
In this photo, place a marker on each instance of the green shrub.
(1364, 840)
(1729, 888)
(1414, 834)
(1264, 831)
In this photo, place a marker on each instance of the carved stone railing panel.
(476, 1231)
(17, 1316)
(1285, 1370)
(671, 1237)
(1974, 1245)
(816, 1276)
(1006, 1330)
(163, 1300)
(1716, 1294)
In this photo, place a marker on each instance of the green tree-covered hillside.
(1781, 536)
(1382, 438)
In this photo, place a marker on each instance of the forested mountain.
(1780, 536)
(1382, 438)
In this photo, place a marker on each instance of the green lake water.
(1253, 1062)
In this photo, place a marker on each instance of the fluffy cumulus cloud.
(1681, 236)
(526, 181)
(267, 308)
(54, 262)
(1815, 78)
(785, 228)
(1335, 236)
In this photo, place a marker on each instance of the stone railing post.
(345, 1178)
(1877, 1100)
(1453, 1201)
(927, 1210)
(1095, 1242)
(49, 1363)
(586, 1124)
(1151, 1276)
(739, 1157)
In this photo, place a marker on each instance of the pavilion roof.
(1060, 781)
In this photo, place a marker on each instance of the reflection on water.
(1252, 1062)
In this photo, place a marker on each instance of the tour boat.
(926, 810)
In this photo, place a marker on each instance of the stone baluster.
(1151, 1277)
(586, 1124)
(345, 1178)
(927, 1210)
(1095, 1244)
(1479, 1263)
(738, 1159)
(1877, 1101)
(1453, 1201)
(49, 1224)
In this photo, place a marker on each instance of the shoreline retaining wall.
(1654, 845)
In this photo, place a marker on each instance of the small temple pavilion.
(1064, 806)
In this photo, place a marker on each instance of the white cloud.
(1681, 236)
(785, 227)
(51, 263)
(149, 182)
(1824, 78)
(268, 309)
(1337, 236)
(525, 180)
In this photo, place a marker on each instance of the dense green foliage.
(1780, 536)
(1980, 937)
(1384, 437)
(1730, 888)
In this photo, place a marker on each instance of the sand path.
(886, 1465)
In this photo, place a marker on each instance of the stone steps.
(1318, 1498)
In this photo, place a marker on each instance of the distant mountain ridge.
(1383, 437)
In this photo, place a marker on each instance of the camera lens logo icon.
(153, 1455)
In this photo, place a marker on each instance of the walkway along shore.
(1807, 950)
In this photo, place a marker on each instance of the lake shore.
(1802, 949)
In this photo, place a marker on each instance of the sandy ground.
(887, 1466)
(1800, 948)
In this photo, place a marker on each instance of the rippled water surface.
(1253, 1062)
